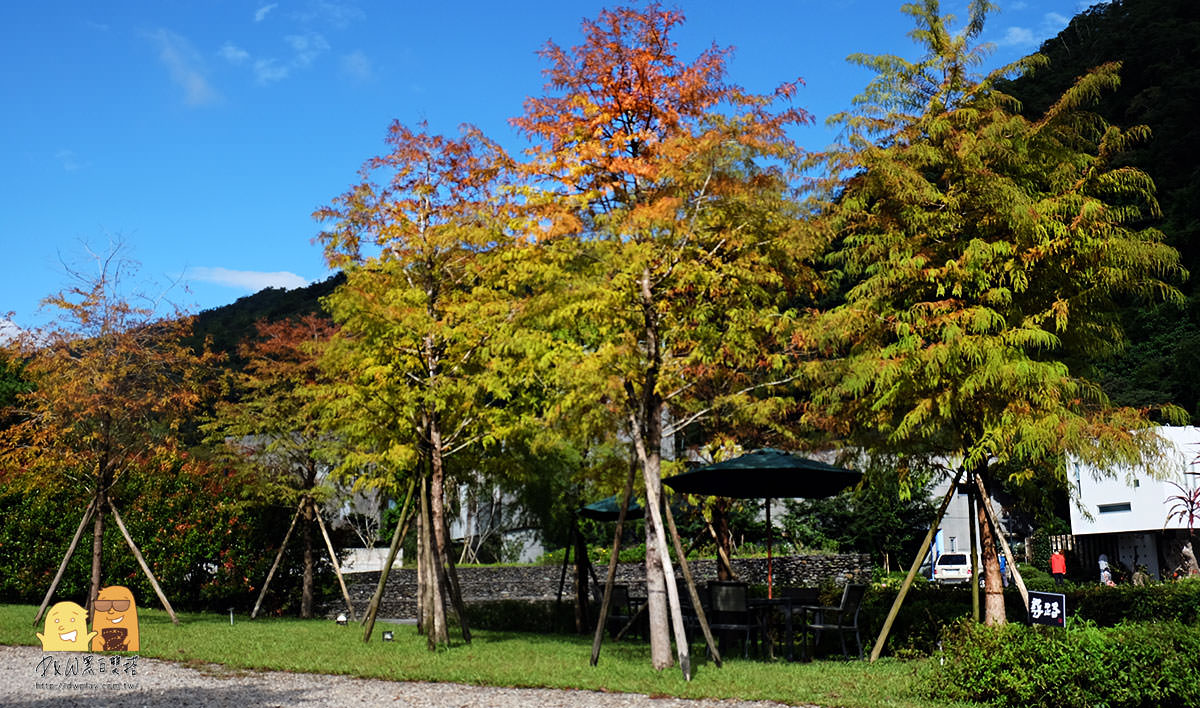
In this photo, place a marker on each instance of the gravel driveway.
(161, 684)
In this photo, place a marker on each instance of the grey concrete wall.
(541, 582)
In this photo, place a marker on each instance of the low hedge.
(543, 616)
(1129, 665)
(929, 609)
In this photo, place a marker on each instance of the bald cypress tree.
(982, 255)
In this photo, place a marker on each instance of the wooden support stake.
(974, 528)
(450, 576)
(142, 562)
(721, 551)
(606, 601)
(691, 585)
(912, 571)
(653, 503)
(278, 557)
(398, 535)
(337, 568)
(62, 568)
(562, 579)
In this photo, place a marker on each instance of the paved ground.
(159, 684)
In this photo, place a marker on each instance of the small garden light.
(387, 636)
(341, 619)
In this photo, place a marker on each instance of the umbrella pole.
(768, 548)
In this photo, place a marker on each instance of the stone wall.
(540, 582)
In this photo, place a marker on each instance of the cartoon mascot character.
(115, 621)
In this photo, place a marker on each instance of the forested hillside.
(1158, 45)
(231, 324)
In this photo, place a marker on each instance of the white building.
(1126, 516)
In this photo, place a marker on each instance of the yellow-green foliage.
(982, 256)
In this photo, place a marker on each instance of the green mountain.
(231, 324)
(1158, 45)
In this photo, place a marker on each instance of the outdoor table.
(765, 608)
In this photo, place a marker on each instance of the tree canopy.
(983, 255)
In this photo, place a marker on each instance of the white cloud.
(1054, 21)
(357, 66)
(269, 70)
(185, 67)
(249, 280)
(307, 46)
(323, 12)
(261, 13)
(69, 160)
(1017, 37)
(233, 53)
(8, 330)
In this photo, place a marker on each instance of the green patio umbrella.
(609, 509)
(765, 474)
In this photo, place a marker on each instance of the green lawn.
(496, 659)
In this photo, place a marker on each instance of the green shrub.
(209, 545)
(1084, 665)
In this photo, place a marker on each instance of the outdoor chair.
(620, 608)
(730, 613)
(842, 619)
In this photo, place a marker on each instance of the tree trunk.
(993, 587)
(306, 590)
(436, 632)
(97, 548)
(724, 548)
(656, 605)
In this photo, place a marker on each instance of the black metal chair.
(842, 619)
(620, 608)
(730, 613)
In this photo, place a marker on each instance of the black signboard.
(1047, 608)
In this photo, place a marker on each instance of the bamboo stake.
(398, 535)
(995, 524)
(912, 571)
(691, 585)
(337, 568)
(606, 601)
(142, 562)
(62, 568)
(278, 557)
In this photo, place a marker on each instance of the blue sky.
(203, 134)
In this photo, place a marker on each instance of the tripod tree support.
(278, 557)
(912, 571)
(402, 526)
(62, 568)
(142, 562)
(337, 569)
(691, 585)
(606, 601)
